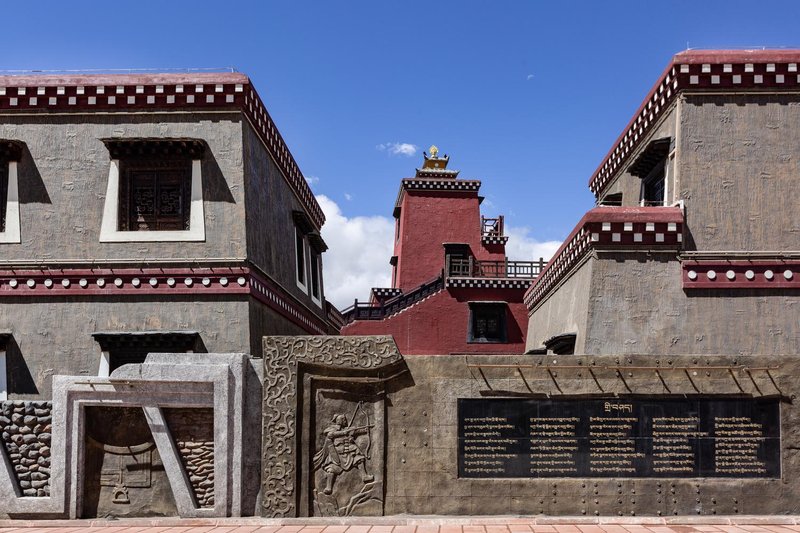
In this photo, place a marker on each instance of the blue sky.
(527, 96)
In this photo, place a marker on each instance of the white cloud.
(348, 196)
(398, 148)
(522, 247)
(529, 77)
(358, 254)
(312, 180)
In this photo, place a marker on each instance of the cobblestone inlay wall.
(26, 428)
(193, 432)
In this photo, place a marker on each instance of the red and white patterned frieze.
(611, 228)
(160, 92)
(741, 274)
(197, 282)
(488, 283)
(722, 70)
(443, 185)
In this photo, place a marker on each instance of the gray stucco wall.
(740, 163)
(64, 174)
(422, 456)
(270, 226)
(54, 336)
(640, 307)
(565, 311)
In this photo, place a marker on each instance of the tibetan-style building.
(147, 213)
(453, 288)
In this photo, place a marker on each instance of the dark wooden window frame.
(481, 330)
(168, 180)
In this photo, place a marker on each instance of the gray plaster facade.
(232, 286)
(732, 168)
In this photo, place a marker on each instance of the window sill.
(153, 236)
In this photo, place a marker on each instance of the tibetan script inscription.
(708, 437)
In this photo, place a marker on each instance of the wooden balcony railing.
(367, 311)
(471, 268)
(492, 227)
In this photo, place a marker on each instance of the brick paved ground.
(409, 524)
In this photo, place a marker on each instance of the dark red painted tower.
(453, 289)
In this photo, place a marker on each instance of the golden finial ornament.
(434, 151)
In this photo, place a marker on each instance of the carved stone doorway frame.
(292, 365)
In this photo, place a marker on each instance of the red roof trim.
(702, 70)
(610, 228)
(159, 93)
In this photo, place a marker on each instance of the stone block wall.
(193, 433)
(26, 429)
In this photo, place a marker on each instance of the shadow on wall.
(215, 188)
(31, 187)
(20, 380)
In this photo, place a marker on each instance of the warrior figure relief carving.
(340, 452)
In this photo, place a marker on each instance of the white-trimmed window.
(10, 154)
(300, 259)
(154, 191)
(5, 337)
(315, 279)
(308, 249)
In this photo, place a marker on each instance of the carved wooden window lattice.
(155, 195)
(487, 322)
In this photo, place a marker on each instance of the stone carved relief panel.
(192, 431)
(286, 360)
(347, 447)
(124, 475)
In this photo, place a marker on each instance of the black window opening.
(650, 166)
(612, 200)
(562, 344)
(300, 256)
(314, 261)
(3, 195)
(487, 322)
(653, 188)
(132, 348)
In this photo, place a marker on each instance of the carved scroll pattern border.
(281, 358)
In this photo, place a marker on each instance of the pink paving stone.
(448, 529)
(613, 528)
(473, 529)
(273, 529)
(425, 529)
(543, 529)
(404, 529)
(661, 529)
(356, 529)
(567, 528)
(497, 528)
(381, 529)
(591, 529)
(290, 529)
(334, 529)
